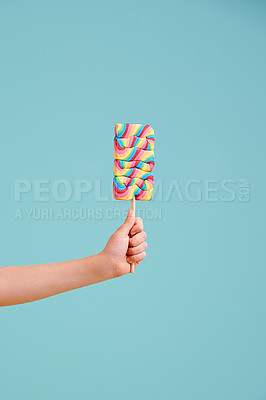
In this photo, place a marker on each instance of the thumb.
(129, 222)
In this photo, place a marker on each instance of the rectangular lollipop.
(133, 164)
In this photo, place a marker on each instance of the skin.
(23, 284)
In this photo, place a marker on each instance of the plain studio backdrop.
(190, 323)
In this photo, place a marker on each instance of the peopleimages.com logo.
(192, 190)
(85, 193)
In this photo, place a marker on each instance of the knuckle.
(142, 256)
(145, 245)
(133, 241)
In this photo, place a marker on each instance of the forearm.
(22, 284)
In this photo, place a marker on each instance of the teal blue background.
(190, 324)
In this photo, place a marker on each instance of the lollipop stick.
(132, 266)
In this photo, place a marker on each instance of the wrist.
(103, 267)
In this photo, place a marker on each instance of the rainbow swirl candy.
(134, 162)
(128, 130)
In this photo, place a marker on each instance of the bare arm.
(22, 284)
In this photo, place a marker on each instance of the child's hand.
(127, 245)
(34, 282)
